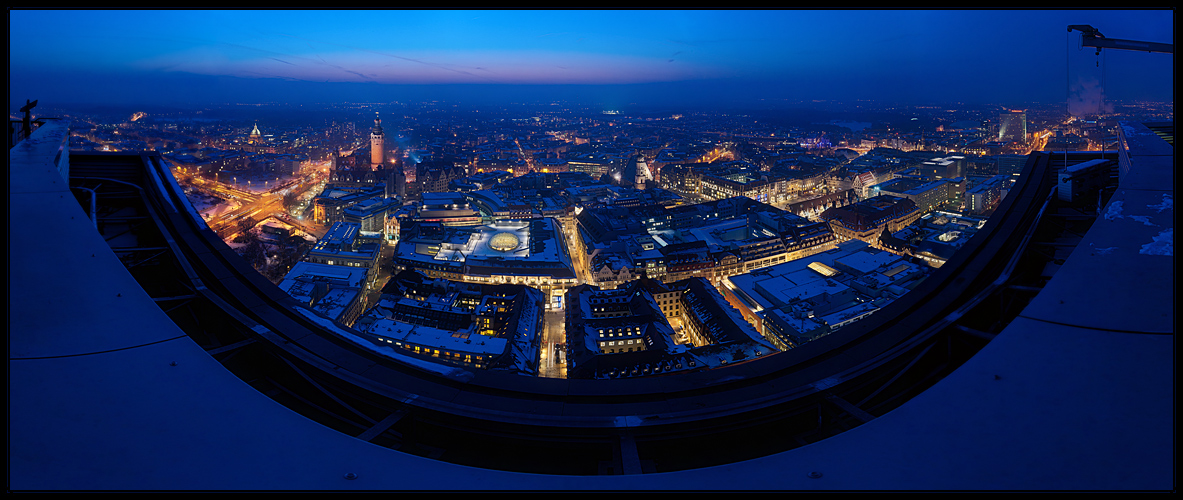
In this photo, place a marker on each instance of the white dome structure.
(504, 242)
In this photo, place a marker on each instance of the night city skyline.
(608, 58)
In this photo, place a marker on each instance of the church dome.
(377, 124)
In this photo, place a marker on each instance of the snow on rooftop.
(865, 262)
(391, 331)
(453, 372)
(839, 318)
(535, 250)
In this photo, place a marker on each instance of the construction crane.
(1092, 37)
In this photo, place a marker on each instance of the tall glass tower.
(1013, 126)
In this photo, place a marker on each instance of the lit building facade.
(480, 326)
(983, 197)
(867, 219)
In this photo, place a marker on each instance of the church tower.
(377, 138)
(637, 171)
(335, 165)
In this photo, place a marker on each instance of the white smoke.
(1088, 98)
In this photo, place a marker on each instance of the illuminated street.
(552, 357)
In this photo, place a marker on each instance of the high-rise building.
(1010, 164)
(377, 138)
(1013, 126)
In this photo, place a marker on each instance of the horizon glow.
(189, 56)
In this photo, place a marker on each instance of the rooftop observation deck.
(107, 391)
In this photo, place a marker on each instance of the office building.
(484, 326)
(1012, 126)
(336, 291)
(346, 245)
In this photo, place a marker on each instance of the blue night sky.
(605, 57)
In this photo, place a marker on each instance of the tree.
(276, 272)
(290, 200)
(245, 224)
(254, 252)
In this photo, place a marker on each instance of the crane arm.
(1092, 37)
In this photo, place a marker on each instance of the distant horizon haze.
(606, 58)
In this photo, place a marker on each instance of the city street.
(255, 205)
(575, 249)
(553, 360)
(385, 270)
